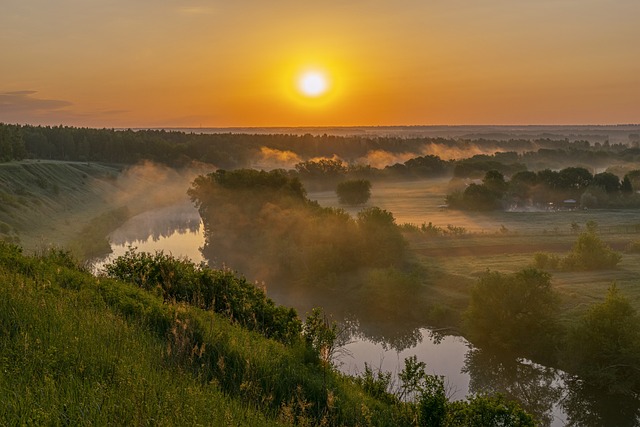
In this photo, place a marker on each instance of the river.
(177, 230)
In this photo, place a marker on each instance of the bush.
(604, 347)
(516, 312)
(546, 261)
(590, 253)
(354, 192)
(221, 291)
(633, 247)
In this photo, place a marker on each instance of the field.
(505, 242)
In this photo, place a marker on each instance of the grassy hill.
(179, 344)
(77, 349)
(76, 204)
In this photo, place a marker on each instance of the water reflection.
(157, 224)
(445, 357)
(175, 230)
(536, 387)
(388, 338)
(586, 406)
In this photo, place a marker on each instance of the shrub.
(633, 247)
(221, 291)
(354, 192)
(604, 347)
(590, 253)
(515, 312)
(546, 261)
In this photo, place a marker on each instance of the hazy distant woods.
(358, 156)
(565, 189)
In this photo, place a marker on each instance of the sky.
(197, 63)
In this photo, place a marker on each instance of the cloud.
(197, 10)
(24, 101)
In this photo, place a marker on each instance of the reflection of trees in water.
(158, 224)
(586, 406)
(396, 338)
(535, 387)
(391, 327)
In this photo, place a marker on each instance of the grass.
(77, 204)
(68, 358)
(459, 262)
(49, 202)
(81, 350)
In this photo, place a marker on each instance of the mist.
(148, 185)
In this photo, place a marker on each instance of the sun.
(313, 83)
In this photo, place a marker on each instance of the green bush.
(515, 312)
(590, 253)
(221, 291)
(354, 192)
(546, 261)
(633, 247)
(604, 347)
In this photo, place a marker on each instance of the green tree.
(494, 181)
(515, 312)
(321, 335)
(522, 183)
(608, 181)
(480, 198)
(604, 347)
(625, 186)
(383, 244)
(574, 178)
(590, 253)
(321, 169)
(354, 192)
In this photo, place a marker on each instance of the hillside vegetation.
(77, 204)
(82, 350)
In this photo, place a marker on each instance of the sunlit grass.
(68, 359)
(79, 350)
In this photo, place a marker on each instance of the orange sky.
(177, 63)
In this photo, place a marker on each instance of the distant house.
(569, 204)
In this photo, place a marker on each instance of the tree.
(383, 244)
(321, 335)
(321, 169)
(515, 312)
(354, 192)
(574, 178)
(608, 181)
(522, 182)
(494, 181)
(479, 198)
(604, 348)
(634, 177)
(625, 187)
(435, 410)
(590, 253)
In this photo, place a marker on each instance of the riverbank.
(77, 204)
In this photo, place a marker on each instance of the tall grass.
(67, 358)
(76, 349)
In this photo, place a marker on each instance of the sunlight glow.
(313, 83)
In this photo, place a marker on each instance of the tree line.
(231, 151)
(567, 188)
